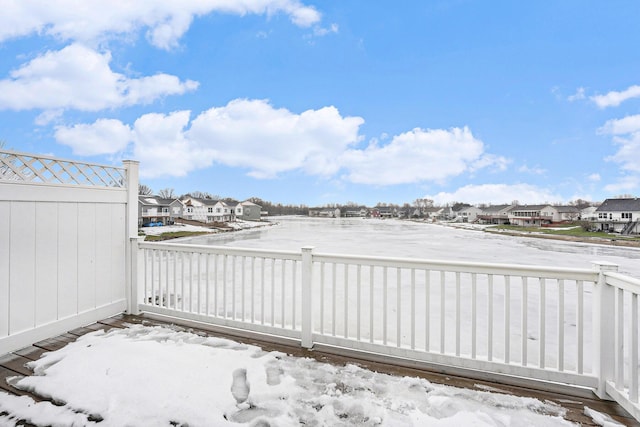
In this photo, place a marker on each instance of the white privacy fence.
(569, 326)
(64, 233)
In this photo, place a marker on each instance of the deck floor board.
(14, 364)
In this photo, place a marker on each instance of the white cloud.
(628, 154)
(536, 170)
(497, 194)
(80, 78)
(626, 133)
(255, 135)
(594, 177)
(613, 98)
(416, 156)
(268, 141)
(624, 184)
(321, 31)
(580, 94)
(625, 125)
(105, 136)
(166, 21)
(249, 134)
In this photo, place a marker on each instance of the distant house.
(495, 214)
(325, 212)
(351, 212)
(619, 216)
(208, 210)
(248, 211)
(468, 214)
(530, 215)
(561, 214)
(155, 209)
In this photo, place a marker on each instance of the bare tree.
(144, 190)
(167, 193)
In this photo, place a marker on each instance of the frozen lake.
(421, 240)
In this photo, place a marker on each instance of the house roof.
(495, 208)
(154, 201)
(528, 207)
(620, 205)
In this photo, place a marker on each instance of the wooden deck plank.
(16, 363)
(13, 364)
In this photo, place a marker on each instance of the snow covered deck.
(13, 364)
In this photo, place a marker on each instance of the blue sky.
(317, 102)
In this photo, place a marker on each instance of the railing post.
(131, 231)
(133, 294)
(603, 328)
(307, 275)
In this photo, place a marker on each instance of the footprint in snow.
(240, 385)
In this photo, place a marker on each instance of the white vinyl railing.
(532, 323)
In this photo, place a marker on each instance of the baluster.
(234, 261)
(371, 305)
(413, 309)
(507, 319)
(358, 300)
(474, 314)
(282, 293)
(253, 289)
(262, 295)
(490, 319)
(457, 313)
(225, 281)
(273, 291)
(633, 350)
(525, 317)
(542, 323)
(442, 310)
(333, 299)
(384, 305)
(580, 323)
(561, 316)
(618, 350)
(215, 284)
(427, 305)
(346, 301)
(398, 308)
(322, 298)
(294, 306)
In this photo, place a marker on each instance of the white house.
(495, 214)
(248, 211)
(619, 216)
(468, 214)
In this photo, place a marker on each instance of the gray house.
(155, 209)
(619, 216)
(248, 211)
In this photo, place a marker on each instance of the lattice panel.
(40, 169)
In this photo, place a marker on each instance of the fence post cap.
(604, 266)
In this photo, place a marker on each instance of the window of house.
(209, 210)
(217, 210)
(189, 210)
(165, 210)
